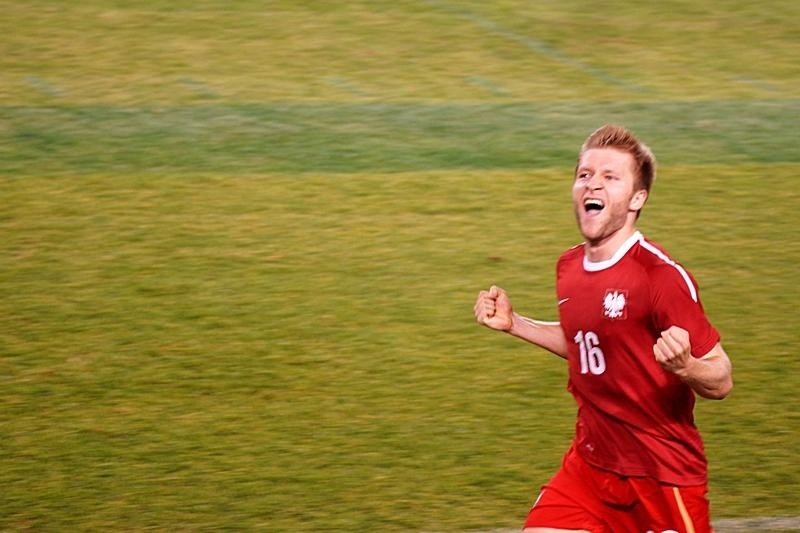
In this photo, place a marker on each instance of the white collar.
(619, 254)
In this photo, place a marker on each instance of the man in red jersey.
(638, 346)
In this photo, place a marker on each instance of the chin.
(594, 235)
(590, 234)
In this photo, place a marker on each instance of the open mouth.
(592, 205)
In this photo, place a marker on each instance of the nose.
(595, 182)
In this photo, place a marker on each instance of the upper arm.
(676, 302)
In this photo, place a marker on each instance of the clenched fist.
(673, 350)
(493, 309)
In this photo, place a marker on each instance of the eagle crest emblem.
(615, 304)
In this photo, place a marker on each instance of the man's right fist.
(493, 309)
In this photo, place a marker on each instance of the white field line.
(763, 523)
(731, 525)
(536, 46)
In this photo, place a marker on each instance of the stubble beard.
(597, 234)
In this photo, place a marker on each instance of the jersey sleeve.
(676, 302)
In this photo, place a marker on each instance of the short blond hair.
(622, 139)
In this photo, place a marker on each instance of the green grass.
(379, 137)
(239, 248)
(130, 53)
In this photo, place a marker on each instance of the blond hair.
(620, 138)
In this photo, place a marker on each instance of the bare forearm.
(547, 335)
(709, 376)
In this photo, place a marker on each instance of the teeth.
(593, 203)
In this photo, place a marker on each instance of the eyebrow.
(602, 170)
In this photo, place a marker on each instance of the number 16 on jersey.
(592, 358)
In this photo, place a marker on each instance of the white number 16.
(592, 358)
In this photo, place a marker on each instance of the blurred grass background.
(240, 244)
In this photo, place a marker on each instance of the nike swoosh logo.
(563, 300)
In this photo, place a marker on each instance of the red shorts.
(581, 496)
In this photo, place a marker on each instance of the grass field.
(240, 244)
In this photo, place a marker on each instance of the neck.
(604, 249)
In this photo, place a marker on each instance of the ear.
(638, 200)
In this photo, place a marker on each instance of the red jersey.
(634, 417)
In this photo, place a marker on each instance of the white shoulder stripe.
(661, 255)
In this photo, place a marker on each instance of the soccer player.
(639, 347)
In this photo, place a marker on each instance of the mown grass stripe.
(379, 136)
